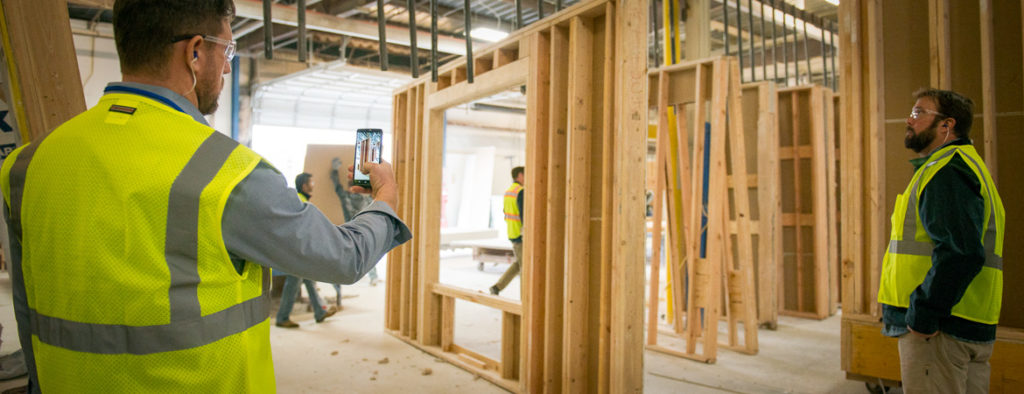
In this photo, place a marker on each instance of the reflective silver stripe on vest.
(182, 244)
(908, 246)
(17, 179)
(140, 340)
(187, 328)
(989, 239)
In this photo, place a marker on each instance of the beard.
(918, 142)
(208, 91)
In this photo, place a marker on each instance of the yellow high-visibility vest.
(909, 256)
(127, 278)
(512, 216)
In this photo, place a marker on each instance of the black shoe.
(495, 290)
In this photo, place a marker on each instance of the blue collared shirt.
(161, 94)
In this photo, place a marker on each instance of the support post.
(382, 40)
(301, 43)
(433, 40)
(414, 59)
(469, 41)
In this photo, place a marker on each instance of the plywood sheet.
(318, 163)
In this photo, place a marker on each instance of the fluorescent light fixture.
(490, 35)
(834, 2)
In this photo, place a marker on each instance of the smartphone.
(368, 150)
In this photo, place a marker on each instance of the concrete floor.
(349, 352)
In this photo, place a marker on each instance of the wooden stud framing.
(876, 97)
(581, 290)
(555, 208)
(578, 172)
(808, 214)
(534, 275)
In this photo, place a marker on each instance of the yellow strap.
(671, 19)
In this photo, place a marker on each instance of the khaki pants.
(513, 270)
(942, 364)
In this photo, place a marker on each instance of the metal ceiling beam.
(326, 23)
(348, 8)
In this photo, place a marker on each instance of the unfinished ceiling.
(347, 29)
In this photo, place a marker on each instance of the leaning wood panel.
(591, 126)
(713, 258)
(761, 137)
(874, 167)
(805, 125)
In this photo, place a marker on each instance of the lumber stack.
(578, 326)
(884, 60)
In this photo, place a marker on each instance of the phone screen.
(368, 149)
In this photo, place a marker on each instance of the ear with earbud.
(195, 55)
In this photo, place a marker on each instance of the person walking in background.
(304, 187)
(514, 220)
(942, 275)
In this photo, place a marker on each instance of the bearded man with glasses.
(942, 275)
(142, 239)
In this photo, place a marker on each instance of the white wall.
(477, 166)
(509, 150)
(97, 61)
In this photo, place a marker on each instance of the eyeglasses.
(917, 111)
(229, 46)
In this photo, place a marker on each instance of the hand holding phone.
(384, 187)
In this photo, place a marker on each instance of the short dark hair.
(145, 29)
(953, 105)
(301, 180)
(516, 171)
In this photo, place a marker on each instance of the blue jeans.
(291, 291)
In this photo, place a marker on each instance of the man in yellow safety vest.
(142, 239)
(514, 220)
(942, 275)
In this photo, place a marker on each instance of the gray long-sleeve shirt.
(265, 223)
